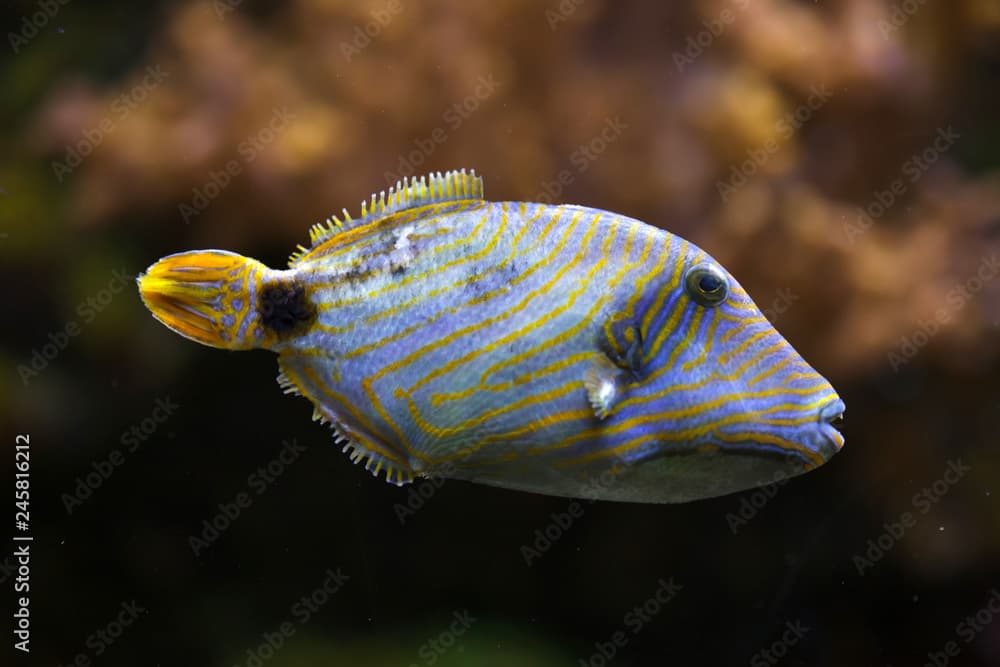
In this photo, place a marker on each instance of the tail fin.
(207, 296)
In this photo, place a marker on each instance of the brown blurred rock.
(771, 124)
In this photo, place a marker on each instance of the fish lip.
(832, 411)
(828, 414)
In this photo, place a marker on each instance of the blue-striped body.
(456, 338)
(470, 356)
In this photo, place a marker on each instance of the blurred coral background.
(842, 159)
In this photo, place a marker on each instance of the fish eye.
(707, 285)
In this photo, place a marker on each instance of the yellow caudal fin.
(207, 296)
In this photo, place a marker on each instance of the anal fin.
(376, 463)
(358, 447)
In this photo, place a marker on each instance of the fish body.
(557, 349)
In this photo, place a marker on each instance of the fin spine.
(434, 188)
(374, 462)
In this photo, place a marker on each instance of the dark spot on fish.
(475, 286)
(477, 283)
(284, 307)
(357, 273)
(511, 270)
(398, 269)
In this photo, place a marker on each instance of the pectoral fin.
(615, 367)
(605, 383)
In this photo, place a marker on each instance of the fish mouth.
(830, 414)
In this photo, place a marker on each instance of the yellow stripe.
(583, 321)
(740, 304)
(346, 405)
(816, 459)
(344, 240)
(433, 252)
(725, 357)
(811, 375)
(707, 343)
(572, 360)
(744, 322)
(647, 276)
(689, 335)
(485, 251)
(771, 371)
(634, 400)
(527, 401)
(667, 286)
(676, 312)
(475, 327)
(683, 413)
(333, 246)
(248, 307)
(496, 267)
(544, 289)
(703, 429)
(760, 355)
(439, 398)
(637, 293)
(367, 383)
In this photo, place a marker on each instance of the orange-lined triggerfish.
(557, 349)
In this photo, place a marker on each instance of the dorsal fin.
(408, 193)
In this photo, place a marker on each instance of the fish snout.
(831, 440)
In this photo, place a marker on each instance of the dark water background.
(840, 158)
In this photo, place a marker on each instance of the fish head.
(731, 404)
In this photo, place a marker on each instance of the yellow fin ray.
(436, 188)
(357, 452)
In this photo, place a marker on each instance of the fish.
(555, 349)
